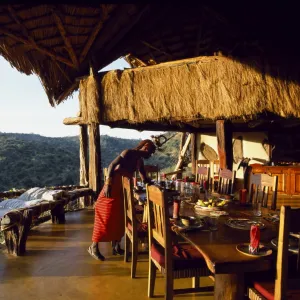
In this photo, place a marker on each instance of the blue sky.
(24, 107)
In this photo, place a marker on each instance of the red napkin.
(254, 239)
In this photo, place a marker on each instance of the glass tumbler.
(257, 209)
(213, 221)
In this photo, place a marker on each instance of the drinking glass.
(213, 221)
(257, 209)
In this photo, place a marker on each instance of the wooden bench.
(16, 223)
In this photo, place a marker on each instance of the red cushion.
(266, 288)
(142, 228)
(185, 256)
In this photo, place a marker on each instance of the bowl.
(188, 221)
(229, 197)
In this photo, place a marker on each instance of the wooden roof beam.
(36, 47)
(14, 16)
(61, 70)
(92, 37)
(153, 47)
(65, 37)
(74, 121)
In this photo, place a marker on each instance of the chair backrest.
(226, 181)
(215, 166)
(203, 163)
(260, 186)
(129, 207)
(158, 222)
(203, 174)
(151, 171)
(289, 222)
(105, 171)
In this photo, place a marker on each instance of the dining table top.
(219, 247)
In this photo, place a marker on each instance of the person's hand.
(107, 191)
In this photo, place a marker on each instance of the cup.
(213, 221)
(257, 209)
(243, 196)
(176, 207)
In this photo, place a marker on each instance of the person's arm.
(141, 169)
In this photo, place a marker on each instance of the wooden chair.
(151, 171)
(134, 230)
(162, 253)
(260, 187)
(226, 181)
(285, 285)
(105, 171)
(214, 166)
(203, 175)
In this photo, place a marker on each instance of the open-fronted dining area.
(223, 225)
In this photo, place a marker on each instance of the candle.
(243, 196)
(254, 239)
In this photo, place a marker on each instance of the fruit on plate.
(212, 203)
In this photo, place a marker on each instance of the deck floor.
(57, 266)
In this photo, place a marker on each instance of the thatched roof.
(203, 88)
(57, 42)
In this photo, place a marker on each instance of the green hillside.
(28, 160)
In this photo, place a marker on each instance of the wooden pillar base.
(229, 286)
(58, 214)
(16, 236)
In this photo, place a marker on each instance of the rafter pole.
(65, 37)
(35, 46)
(61, 70)
(153, 47)
(104, 16)
(14, 16)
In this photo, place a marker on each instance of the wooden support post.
(94, 158)
(16, 235)
(193, 152)
(83, 143)
(224, 138)
(181, 155)
(58, 214)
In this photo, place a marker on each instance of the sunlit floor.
(57, 266)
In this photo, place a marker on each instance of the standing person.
(109, 208)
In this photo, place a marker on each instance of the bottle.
(162, 180)
(194, 191)
(178, 185)
(172, 184)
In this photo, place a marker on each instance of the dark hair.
(143, 143)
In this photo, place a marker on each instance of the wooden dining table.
(219, 250)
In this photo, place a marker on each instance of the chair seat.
(267, 288)
(142, 228)
(185, 256)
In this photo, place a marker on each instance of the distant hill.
(28, 160)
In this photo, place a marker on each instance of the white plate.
(199, 224)
(208, 208)
(243, 224)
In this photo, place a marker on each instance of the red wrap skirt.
(109, 212)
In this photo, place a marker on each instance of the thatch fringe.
(206, 87)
